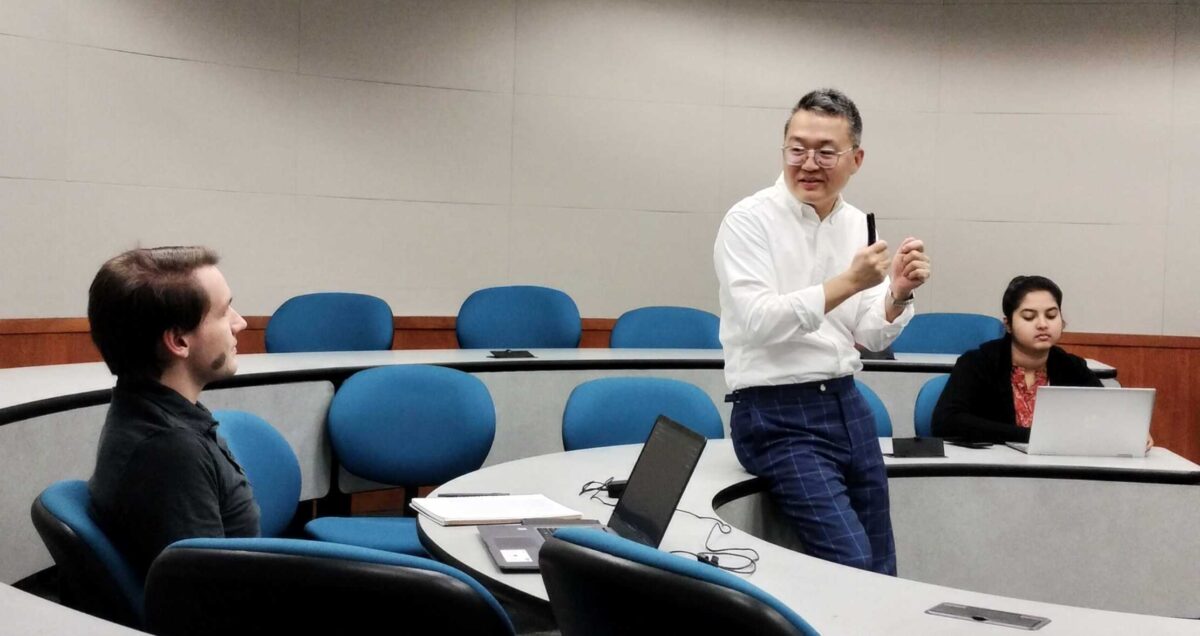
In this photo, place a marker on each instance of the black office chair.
(285, 586)
(602, 584)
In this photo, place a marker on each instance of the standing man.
(799, 286)
(164, 322)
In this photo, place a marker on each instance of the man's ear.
(858, 156)
(175, 344)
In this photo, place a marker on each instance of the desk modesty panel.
(1105, 533)
(842, 600)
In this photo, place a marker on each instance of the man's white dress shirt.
(773, 256)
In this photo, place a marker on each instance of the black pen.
(870, 228)
(473, 494)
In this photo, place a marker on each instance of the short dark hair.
(830, 101)
(1021, 286)
(138, 295)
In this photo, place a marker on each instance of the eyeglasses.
(824, 157)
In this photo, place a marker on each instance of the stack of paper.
(474, 511)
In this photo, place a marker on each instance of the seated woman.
(991, 391)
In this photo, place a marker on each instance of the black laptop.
(643, 512)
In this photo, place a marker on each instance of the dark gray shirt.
(162, 475)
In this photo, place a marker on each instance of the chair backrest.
(612, 411)
(270, 466)
(94, 576)
(883, 420)
(603, 584)
(518, 317)
(666, 328)
(927, 399)
(412, 425)
(292, 586)
(947, 333)
(330, 321)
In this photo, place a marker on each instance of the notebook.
(643, 512)
(1089, 422)
(479, 510)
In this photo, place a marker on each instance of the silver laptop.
(1089, 422)
(643, 512)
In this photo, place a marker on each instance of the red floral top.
(1025, 396)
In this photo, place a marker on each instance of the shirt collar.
(156, 395)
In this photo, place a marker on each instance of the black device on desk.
(643, 512)
(511, 353)
(918, 447)
(614, 488)
(968, 443)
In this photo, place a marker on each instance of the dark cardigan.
(977, 403)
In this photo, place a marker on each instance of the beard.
(219, 363)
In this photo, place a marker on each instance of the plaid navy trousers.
(815, 445)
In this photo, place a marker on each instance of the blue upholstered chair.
(666, 328)
(603, 584)
(410, 426)
(883, 420)
(612, 411)
(95, 578)
(270, 466)
(947, 333)
(518, 317)
(927, 399)
(330, 321)
(291, 586)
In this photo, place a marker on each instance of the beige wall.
(421, 150)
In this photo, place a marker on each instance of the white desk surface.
(1157, 460)
(23, 614)
(834, 598)
(26, 385)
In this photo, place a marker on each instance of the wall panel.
(420, 149)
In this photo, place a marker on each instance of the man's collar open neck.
(833, 209)
(178, 379)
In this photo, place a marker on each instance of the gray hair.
(830, 101)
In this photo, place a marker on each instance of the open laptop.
(655, 487)
(1089, 422)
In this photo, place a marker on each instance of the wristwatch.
(901, 303)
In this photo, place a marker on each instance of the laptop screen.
(656, 484)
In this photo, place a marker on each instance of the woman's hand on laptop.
(1149, 442)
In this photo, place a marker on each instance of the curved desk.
(841, 600)
(28, 392)
(50, 417)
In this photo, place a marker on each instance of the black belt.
(784, 391)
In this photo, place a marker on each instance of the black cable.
(747, 557)
(597, 487)
(593, 486)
